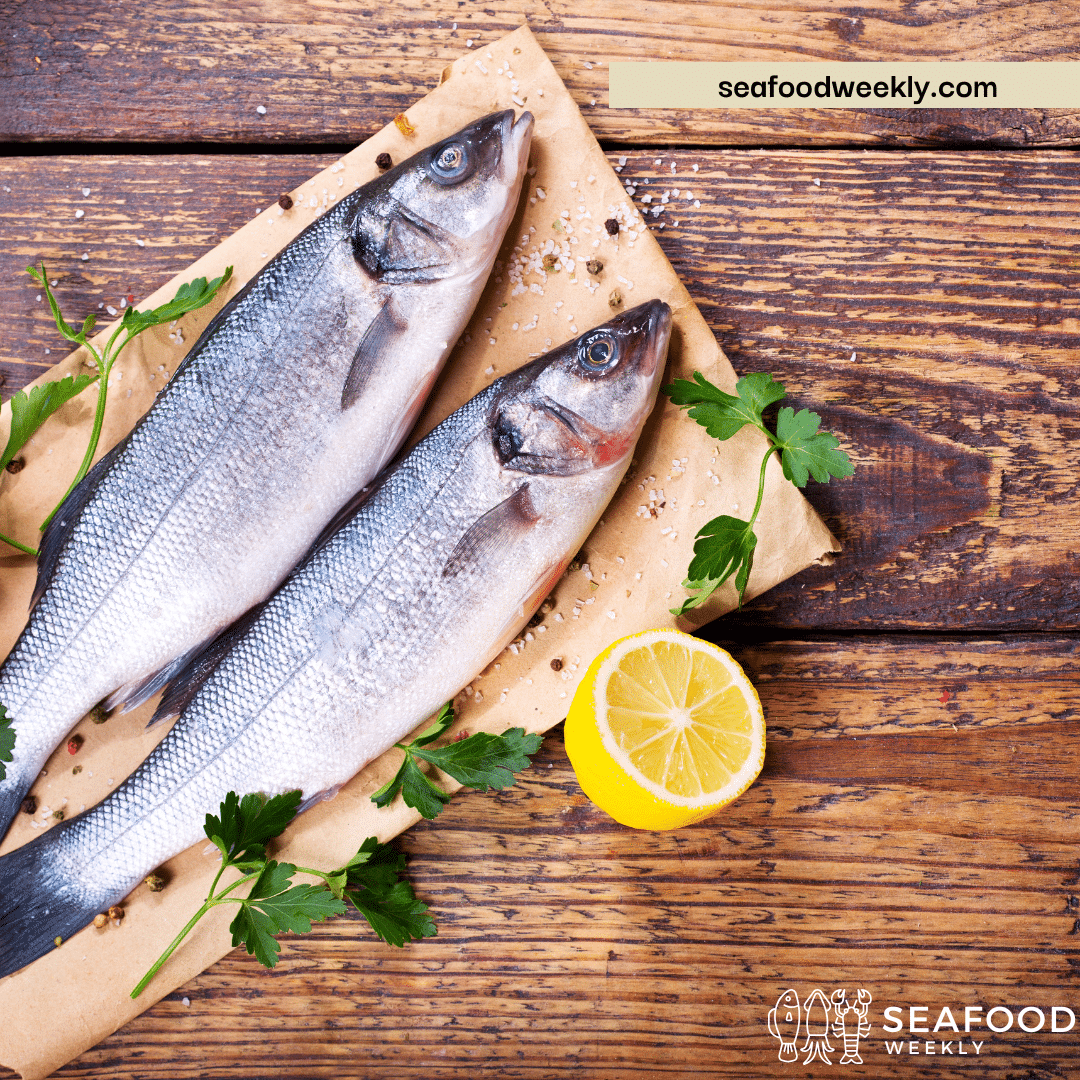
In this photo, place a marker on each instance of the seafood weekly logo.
(815, 1020)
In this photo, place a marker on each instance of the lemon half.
(664, 730)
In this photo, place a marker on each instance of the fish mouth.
(650, 324)
(516, 140)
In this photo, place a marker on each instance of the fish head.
(582, 406)
(443, 212)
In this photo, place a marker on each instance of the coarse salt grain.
(80, 213)
(260, 109)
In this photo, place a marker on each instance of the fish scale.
(293, 398)
(391, 613)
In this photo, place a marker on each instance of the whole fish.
(296, 395)
(414, 594)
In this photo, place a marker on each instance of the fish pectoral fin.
(379, 337)
(500, 527)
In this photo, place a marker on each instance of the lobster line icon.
(817, 1018)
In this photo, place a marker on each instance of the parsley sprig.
(725, 546)
(30, 411)
(479, 761)
(370, 881)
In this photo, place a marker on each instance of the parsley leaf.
(725, 546)
(7, 739)
(272, 907)
(383, 898)
(720, 414)
(247, 825)
(805, 450)
(30, 411)
(480, 761)
(189, 297)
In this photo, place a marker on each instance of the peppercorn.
(116, 912)
(594, 266)
(100, 921)
(76, 770)
(556, 664)
(612, 226)
(384, 161)
(285, 202)
(551, 264)
(29, 805)
(16, 465)
(99, 714)
(615, 299)
(58, 815)
(155, 882)
(74, 744)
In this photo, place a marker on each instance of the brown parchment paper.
(634, 561)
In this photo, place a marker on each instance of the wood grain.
(934, 866)
(334, 71)
(947, 276)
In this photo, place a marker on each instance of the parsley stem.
(160, 962)
(211, 901)
(16, 544)
(104, 366)
(761, 485)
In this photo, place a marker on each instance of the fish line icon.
(785, 1019)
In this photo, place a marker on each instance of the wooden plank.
(938, 874)
(336, 72)
(947, 276)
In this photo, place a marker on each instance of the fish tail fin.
(11, 797)
(38, 900)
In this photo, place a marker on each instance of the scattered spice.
(403, 124)
(75, 771)
(99, 714)
(285, 202)
(100, 921)
(537, 619)
(58, 815)
(116, 913)
(29, 805)
(16, 465)
(74, 744)
(612, 227)
(615, 299)
(551, 264)
(557, 225)
(594, 266)
(155, 882)
(556, 664)
(58, 941)
(578, 561)
(384, 161)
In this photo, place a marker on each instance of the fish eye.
(449, 163)
(599, 353)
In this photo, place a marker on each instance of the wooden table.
(912, 276)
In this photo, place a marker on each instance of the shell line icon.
(818, 1017)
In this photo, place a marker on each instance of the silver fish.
(390, 615)
(296, 395)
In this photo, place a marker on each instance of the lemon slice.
(664, 730)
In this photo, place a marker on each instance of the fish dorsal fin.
(499, 528)
(384, 328)
(59, 529)
(196, 666)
